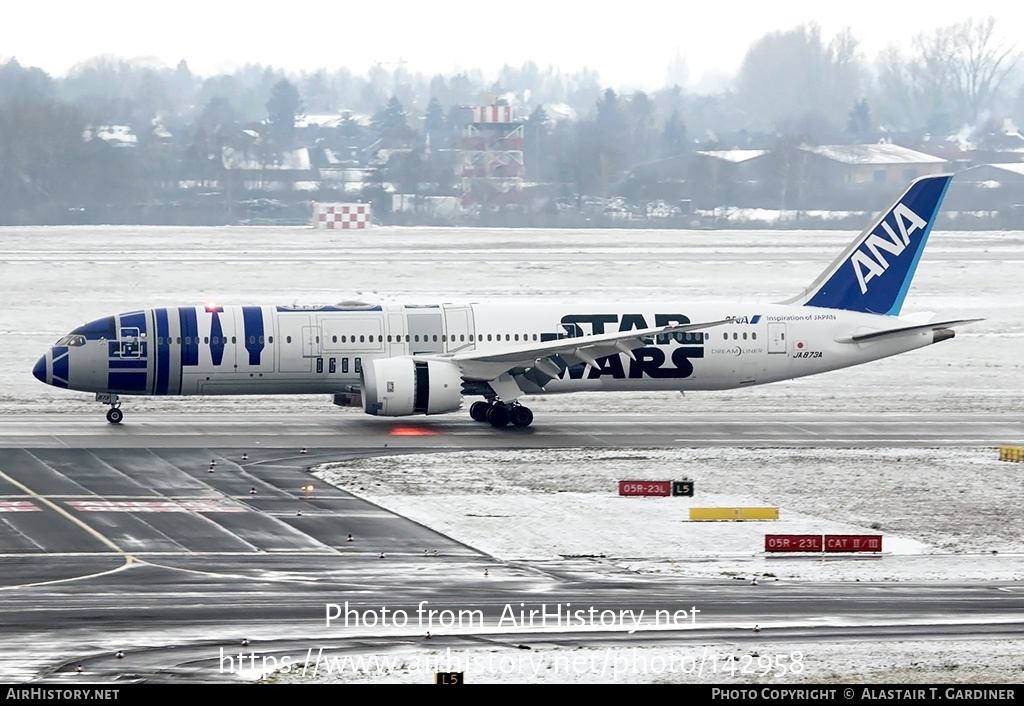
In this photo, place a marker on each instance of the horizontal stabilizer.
(889, 333)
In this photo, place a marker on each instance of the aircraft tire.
(522, 416)
(114, 415)
(478, 411)
(498, 415)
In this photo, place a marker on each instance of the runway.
(348, 430)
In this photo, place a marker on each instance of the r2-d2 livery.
(400, 359)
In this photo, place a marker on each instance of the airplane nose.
(39, 371)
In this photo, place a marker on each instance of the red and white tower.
(492, 158)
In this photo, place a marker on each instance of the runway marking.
(151, 506)
(62, 512)
(128, 561)
(242, 577)
(19, 506)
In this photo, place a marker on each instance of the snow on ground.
(944, 513)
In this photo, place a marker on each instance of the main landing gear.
(501, 414)
(114, 414)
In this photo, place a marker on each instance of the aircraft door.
(776, 338)
(425, 332)
(253, 339)
(295, 344)
(396, 335)
(311, 341)
(460, 327)
(222, 342)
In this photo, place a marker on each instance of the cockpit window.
(99, 329)
(73, 339)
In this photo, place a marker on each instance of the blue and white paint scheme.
(399, 359)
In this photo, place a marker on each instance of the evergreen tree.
(391, 125)
(283, 107)
(435, 125)
(673, 136)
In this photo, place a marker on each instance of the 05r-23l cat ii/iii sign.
(400, 359)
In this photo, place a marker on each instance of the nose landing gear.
(114, 414)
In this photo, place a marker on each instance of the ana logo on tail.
(891, 246)
(865, 265)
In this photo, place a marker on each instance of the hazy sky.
(631, 45)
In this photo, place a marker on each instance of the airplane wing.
(551, 357)
(889, 333)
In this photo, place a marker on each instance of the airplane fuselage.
(243, 350)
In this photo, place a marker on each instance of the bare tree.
(795, 78)
(980, 64)
(955, 74)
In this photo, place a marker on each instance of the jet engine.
(396, 387)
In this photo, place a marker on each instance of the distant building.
(115, 135)
(258, 170)
(994, 175)
(871, 164)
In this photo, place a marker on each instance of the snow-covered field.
(944, 513)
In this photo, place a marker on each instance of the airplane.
(398, 359)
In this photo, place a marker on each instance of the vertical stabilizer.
(873, 274)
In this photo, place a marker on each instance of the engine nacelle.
(396, 387)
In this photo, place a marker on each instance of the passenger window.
(334, 339)
(270, 339)
(287, 339)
